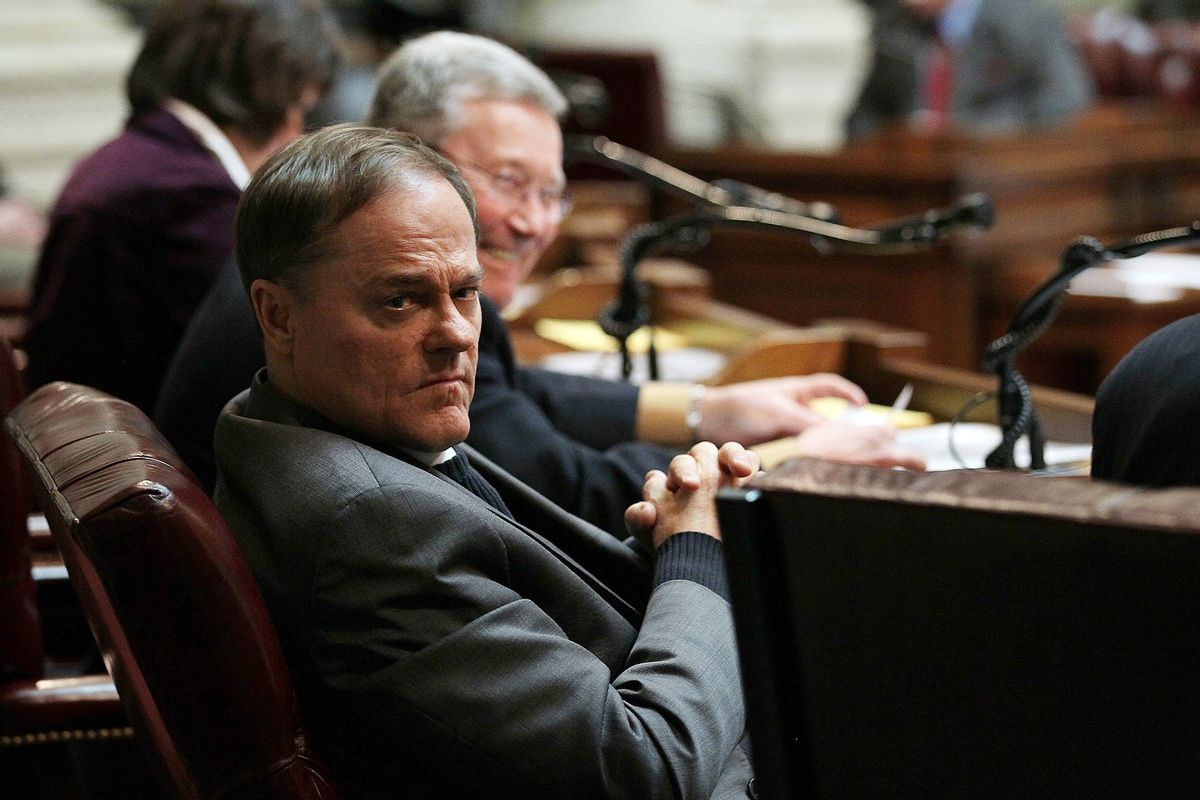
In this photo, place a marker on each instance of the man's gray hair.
(289, 215)
(424, 84)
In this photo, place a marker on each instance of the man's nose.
(531, 216)
(452, 330)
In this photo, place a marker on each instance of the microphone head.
(582, 147)
(975, 210)
(819, 209)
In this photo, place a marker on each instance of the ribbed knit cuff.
(693, 556)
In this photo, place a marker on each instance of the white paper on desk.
(1149, 278)
(973, 441)
(1174, 270)
(683, 364)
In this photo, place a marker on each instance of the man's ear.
(273, 306)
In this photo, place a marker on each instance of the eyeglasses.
(515, 188)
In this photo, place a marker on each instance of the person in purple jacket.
(144, 224)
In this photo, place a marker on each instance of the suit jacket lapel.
(626, 609)
(585, 549)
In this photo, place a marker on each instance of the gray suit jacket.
(1018, 69)
(442, 650)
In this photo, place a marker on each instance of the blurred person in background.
(144, 224)
(986, 66)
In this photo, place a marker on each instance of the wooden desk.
(1110, 175)
(880, 358)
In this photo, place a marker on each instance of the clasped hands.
(684, 497)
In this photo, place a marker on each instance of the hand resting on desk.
(843, 440)
(758, 411)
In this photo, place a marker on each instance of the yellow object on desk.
(580, 334)
(838, 408)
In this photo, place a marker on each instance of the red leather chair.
(179, 619)
(34, 709)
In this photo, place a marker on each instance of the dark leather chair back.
(175, 609)
(966, 634)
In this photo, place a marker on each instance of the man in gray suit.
(442, 649)
(987, 66)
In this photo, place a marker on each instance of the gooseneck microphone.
(691, 230)
(1014, 400)
(731, 203)
(621, 318)
(973, 211)
(721, 192)
(734, 204)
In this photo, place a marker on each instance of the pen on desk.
(901, 402)
(1065, 469)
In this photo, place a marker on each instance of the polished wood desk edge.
(995, 492)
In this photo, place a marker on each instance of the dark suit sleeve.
(1146, 429)
(515, 421)
(592, 411)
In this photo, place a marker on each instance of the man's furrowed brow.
(421, 277)
(408, 279)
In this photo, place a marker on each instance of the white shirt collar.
(212, 137)
(431, 459)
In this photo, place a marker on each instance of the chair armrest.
(86, 708)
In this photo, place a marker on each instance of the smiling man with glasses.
(514, 188)
(510, 152)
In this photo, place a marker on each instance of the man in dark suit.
(144, 224)
(440, 648)
(987, 66)
(584, 443)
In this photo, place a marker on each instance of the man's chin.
(446, 431)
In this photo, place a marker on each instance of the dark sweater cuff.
(692, 556)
